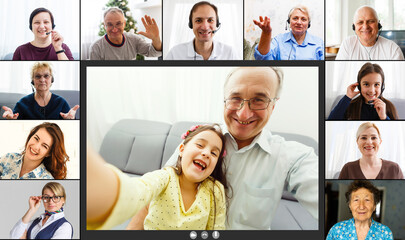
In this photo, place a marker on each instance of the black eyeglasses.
(55, 199)
(256, 103)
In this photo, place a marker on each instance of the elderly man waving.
(120, 45)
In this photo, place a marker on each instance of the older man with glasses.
(259, 164)
(120, 45)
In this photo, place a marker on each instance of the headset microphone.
(216, 30)
(32, 86)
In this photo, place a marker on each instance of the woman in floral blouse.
(44, 156)
(362, 198)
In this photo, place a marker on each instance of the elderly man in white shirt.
(203, 20)
(367, 44)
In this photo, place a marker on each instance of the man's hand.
(151, 32)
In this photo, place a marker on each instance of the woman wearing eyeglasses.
(49, 225)
(41, 104)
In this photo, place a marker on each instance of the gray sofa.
(10, 99)
(140, 146)
(398, 103)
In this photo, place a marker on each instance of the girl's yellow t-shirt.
(161, 189)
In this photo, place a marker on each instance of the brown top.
(389, 170)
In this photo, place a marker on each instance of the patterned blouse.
(10, 168)
(346, 230)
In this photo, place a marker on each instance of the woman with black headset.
(41, 104)
(47, 44)
(370, 104)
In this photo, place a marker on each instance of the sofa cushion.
(135, 146)
(9, 100)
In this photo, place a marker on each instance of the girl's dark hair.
(37, 11)
(354, 110)
(55, 163)
(219, 172)
(357, 184)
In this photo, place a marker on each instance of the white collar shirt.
(63, 232)
(185, 51)
(257, 174)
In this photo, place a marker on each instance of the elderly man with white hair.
(367, 44)
(296, 44)
(120, 45)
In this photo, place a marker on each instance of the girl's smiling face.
(200, 156)
(370, 86)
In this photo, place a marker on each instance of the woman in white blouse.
(49, 225)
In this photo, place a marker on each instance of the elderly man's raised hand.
(71, 114)
(8, 113)
(264, 24)
(351, 93)
(151, 28)
(151, 32)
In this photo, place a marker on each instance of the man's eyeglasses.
(256, 103)
(39, 76)
(111, 26)
(55, 199)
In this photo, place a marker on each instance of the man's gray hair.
(361, 7)
(115, 10)
(278, 71)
